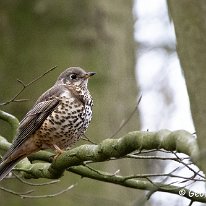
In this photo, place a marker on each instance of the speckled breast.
(66, 124)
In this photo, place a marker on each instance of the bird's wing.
(35, 117)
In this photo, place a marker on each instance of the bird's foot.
(58, 151)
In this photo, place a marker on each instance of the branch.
(180, 141)
(76, 160)
(24, 86)
(10, 119)
(136, 184)
(23, 196)
(15, 193)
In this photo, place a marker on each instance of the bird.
(57, 120)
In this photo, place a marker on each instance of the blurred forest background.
(97, 36)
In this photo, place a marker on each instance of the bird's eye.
(73, 76)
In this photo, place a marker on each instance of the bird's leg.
(58, 151)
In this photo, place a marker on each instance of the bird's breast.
(67, 123)
(66, 94)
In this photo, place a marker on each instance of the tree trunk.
(190, 27)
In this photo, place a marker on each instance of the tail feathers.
(6, 167)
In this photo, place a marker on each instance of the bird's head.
(75, 76)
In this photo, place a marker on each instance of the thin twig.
(24, 86)
(87, 139)
(191, 202)
(49, 195)
(195, 173)
(162, 175)
(16, 193)
(132, 156)
(128, 119)
(35, 184)
(150, 151)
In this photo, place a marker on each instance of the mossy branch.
(12, 120)
(74, 160)
(180, 141)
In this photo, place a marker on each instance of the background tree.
(190, 28)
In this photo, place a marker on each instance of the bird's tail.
(6, 167)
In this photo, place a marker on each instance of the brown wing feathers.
(35, 117)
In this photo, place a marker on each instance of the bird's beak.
(88, 75)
